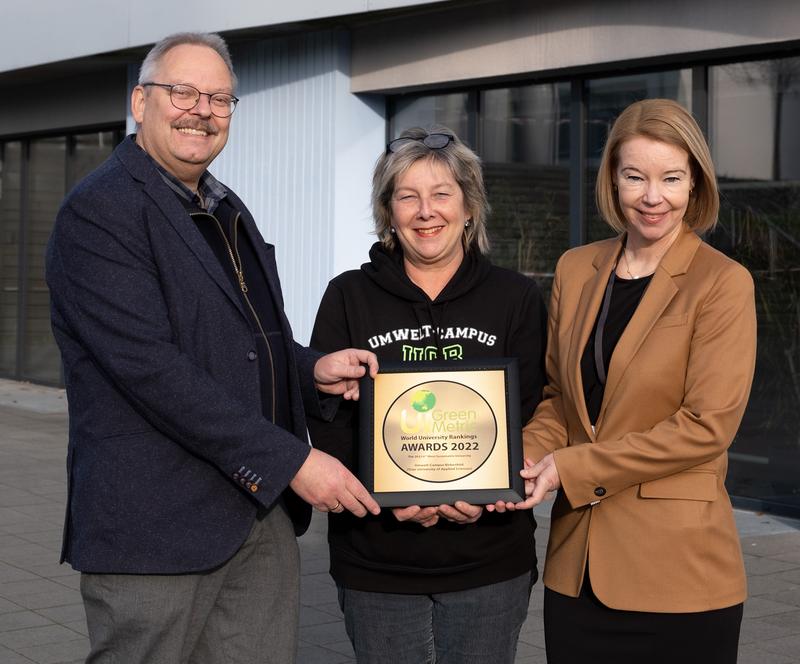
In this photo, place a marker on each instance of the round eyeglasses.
(185, 97)
(433, 141)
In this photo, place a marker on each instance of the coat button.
(599, 491)
(236, 476)
(251, 355)
(253, 488)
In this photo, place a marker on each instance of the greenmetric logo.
(423, 400)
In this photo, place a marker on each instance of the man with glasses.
(187, 457)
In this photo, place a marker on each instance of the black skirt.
(582, 630)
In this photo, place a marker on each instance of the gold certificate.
(434, 434)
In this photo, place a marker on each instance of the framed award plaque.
(434, 433)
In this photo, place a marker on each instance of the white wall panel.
(42, 31)
(300, 152)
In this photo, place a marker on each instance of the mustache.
(197, 124)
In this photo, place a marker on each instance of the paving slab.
(41, 614)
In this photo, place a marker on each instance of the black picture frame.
(504, 401)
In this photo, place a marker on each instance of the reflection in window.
(607, 98)
(525, 149)
(10, 183)
(40, 358)
(34, 176)
(755, 138)
(450, 110)
(756, 149)
(88, 152)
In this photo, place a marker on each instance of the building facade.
(533, 86)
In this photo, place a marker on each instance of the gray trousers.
(245, 611)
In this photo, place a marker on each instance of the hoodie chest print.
(431, 351)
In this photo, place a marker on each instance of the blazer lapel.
(658, 295)
(186, 228)
(588, 307)
(139, 166)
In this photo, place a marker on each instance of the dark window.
(755, 141)
(451, 110)
(523, 135)
(35, 174)
(525, 149)
(10, 215)
(607, 98)
(44, 193)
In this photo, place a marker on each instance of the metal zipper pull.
(242, 285)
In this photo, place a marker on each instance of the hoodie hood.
(387, 271)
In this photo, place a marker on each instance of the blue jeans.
(476, 626)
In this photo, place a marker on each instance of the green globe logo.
(423, 400)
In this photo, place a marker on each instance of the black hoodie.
(484, 311)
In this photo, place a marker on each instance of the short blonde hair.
(666, 121)
(462, 162)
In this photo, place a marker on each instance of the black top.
(484, 311)
(625, 297)
(258, 305)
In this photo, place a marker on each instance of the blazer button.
(236, 476)
(599, 491)
(251, 355)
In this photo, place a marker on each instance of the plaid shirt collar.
(210, 191)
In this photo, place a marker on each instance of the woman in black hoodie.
(454, 580)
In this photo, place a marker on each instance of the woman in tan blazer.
(650, 360)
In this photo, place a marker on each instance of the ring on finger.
(336, 507)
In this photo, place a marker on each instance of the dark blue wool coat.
(165, 429)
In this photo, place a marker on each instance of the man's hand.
(328, 486)
(338, 373)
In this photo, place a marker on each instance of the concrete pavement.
(42, 619)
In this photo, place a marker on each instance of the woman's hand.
(506, 506)
(461, 512)
(424, 516)
(540, 479)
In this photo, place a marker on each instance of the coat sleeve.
(338, 436)
(717, 385)
(108, 292)
(315, 403)
(547, 430)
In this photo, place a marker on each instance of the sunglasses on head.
(432, 141)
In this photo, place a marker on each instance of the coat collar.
(142, 168)
(676, 261)
(659, 294)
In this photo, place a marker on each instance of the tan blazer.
(644, 496)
